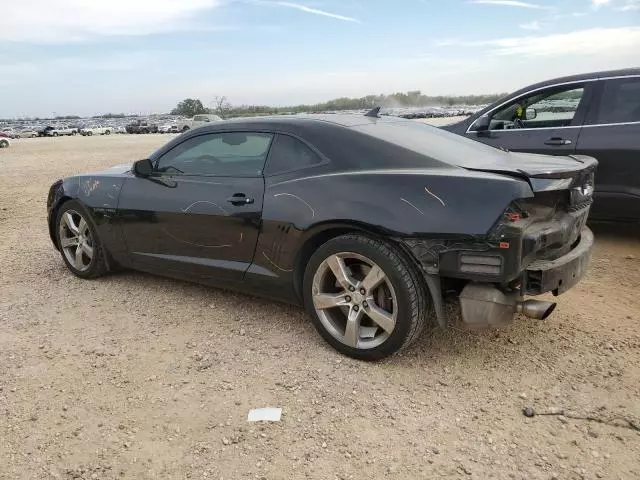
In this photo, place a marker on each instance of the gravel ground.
(138, 377)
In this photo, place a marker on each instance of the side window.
(225, 154)
(288, 153)
(620, 101)
(549, 108)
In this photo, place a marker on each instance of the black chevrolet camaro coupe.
(373, 224)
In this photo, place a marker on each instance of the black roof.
(583, 76)
(341, 119)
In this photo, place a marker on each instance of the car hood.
(115, 170)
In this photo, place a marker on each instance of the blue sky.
(143, 56)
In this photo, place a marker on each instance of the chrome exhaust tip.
(536, 309)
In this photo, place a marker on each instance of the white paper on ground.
(264, 415)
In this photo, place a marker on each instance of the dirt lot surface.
(138, 377)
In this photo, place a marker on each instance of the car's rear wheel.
(55, 134)
(365, 297)
(78, 240)
(107, 132)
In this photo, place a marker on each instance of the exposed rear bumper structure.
(561, 274)
(485, 305)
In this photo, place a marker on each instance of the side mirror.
(143, 168)
(481, 124)
(530, 114)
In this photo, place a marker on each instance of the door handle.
(239, 199)
(557, 141)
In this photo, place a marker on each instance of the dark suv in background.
(596, 114)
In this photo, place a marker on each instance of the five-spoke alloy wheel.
(354, 300)
(365, 298)
(75, 240)
(78, 241)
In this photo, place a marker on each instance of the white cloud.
(581, 42)
(562, 16)
(44, 21)
(599, 3)
(630, 6)
(314, 11)
(534, 25)
(509, 3)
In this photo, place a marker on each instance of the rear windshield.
(433, 142)
(419, 137)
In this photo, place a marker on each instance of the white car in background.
(61, 130)
(168, 128)
(198, 121)
(96, 130)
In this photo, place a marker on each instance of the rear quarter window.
(288, 153)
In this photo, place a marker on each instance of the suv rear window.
(620, 101)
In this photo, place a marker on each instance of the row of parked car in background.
(59, 131)
(174, 124)
(136, 126)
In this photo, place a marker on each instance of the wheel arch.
(53, 215)
(322, 233)
(111, 263)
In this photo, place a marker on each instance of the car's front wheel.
(78, 241)
(4, 144)
(365, 297)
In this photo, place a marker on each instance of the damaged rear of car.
(538, 243)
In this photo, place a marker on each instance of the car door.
(546, 120)
(611, 134)
(198, 215)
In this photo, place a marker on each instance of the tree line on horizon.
(415, 98)
(220, 106)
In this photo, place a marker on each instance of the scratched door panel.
(187, 225)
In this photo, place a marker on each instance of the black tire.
(185, 128)
(107, 132)
(98, 264)
(4, 144)
(55, 134)
(411, 292)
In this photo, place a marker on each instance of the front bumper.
(561, 274)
